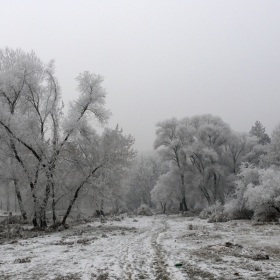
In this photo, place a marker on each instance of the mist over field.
(160, 59)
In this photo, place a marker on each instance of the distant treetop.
(259, 131)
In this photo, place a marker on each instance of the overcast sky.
(159, 59)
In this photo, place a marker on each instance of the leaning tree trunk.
(71, 204)
(19, 199)
(31, 183)
(76, 195)
(205, 193)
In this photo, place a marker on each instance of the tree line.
(55, 160)
(201, 164)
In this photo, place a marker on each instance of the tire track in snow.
(134, 256)
(142, 256)
(160, 263)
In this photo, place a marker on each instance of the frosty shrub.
(14, 220)
(236, 207)
(144, 210)
(264, 198)
(214, 213)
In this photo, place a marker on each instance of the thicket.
(209, 169)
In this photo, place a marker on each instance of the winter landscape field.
(140, 140)
(157, 247)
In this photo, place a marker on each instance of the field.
(146, 248)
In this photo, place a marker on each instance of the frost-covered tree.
(32, 117)
(241, 147)
(263, 196)
(142, 177)
(206, 153)
(236, 206)
(210, 134)
(27, 94)
(273, 149)
(171, 138)
(98, 159)
(257, 194)
(167, 192)
(258, 130)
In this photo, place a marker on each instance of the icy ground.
(147, 248)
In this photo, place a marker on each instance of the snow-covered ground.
(147, 248)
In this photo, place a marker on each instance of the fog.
(160, 59)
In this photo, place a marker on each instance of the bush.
(144, 210)
(11, 231)
(13, 220)
(266, 215)
(235, 209)
(214, 213)
(264, 198)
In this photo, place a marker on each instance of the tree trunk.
(71, 204)
(43, 219)
(53, 205)
(163, 207)
(170, 205)
(16, 203)
(76, 195)
(31, 183)
(35, 205)
(184, 204)
(19, 199)
(34, 222)
(42, 216)
(8, 197)
(206, 194)
(102, 206)
(215, 188)
(49, 175)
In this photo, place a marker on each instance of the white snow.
(147, 249)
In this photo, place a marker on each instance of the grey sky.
(160, 59)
